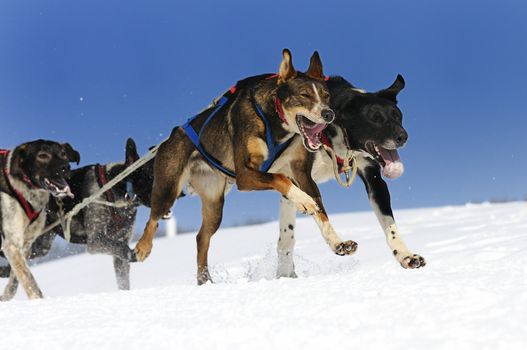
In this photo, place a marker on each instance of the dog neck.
(31, 198)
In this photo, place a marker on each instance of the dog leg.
(331, 237)
(379, 197)
(301, 172)
(20, 268)
(10, 288)
(211, 189)
(170, 175)
(286, 241)
(122, 272)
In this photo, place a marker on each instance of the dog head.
(373, 123)
(304, 100)
(45, 164)
(141, 179)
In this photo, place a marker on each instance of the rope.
(93, 198)
(349, 163)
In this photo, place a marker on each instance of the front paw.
(304, 203)
(346, 248)
(142, 249)
(413, 262)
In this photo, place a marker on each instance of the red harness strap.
(325, 140)
(31, 213)
(103, 181)
(279, 110)
(118, 220)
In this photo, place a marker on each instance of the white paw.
(304, 203)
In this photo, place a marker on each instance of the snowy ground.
(472, 294)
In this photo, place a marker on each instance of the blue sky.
(96, 72)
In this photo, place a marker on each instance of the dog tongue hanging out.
(389, 159)
(393, 167)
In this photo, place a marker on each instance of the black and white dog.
(29, 174)
(104, 228)
(370, 124)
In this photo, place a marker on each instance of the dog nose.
(328, 115)
(402, 138)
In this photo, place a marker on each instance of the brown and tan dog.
(241, 139)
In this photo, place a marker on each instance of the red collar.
(326, 141)
(103, 181)
(32, 215)
(279, 110)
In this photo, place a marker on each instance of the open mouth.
(311, 132)
(57, 187)
(389, 159)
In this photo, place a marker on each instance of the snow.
(471, 295)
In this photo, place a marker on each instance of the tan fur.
(287, 71)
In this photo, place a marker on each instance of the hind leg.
(122, 272)
(10, 288)
(211, 189)
(170, 175)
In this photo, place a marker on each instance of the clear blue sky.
(96, 72)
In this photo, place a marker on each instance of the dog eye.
(43, 156)
(305, 95)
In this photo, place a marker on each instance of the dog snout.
(401, 138)
(328, 115)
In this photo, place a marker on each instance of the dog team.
(284, 132)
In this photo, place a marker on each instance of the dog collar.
(31, 213)
(279, 110)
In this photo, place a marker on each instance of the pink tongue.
(394, 167)
(312, 134)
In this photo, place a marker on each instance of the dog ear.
(287, 71)
(73, 155)
(315, 67)
(131, 152)
(391, 92)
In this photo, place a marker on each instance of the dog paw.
(204, 278)
(5, 298)
(413, 262)
(346, 248)
(304, 203)
(142, 250)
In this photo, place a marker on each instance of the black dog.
(105, 229)
(370, 125)
(29, 174)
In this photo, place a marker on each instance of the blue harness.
(274, 149)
